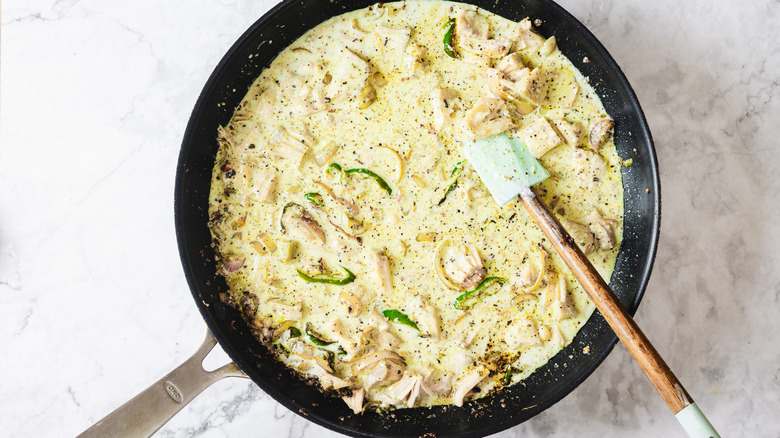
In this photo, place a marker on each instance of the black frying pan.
(254, 51)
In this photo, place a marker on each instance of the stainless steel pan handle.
(148, 411)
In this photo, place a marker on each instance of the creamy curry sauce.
(359, 241)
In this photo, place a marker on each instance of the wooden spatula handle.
(687, 413)
(607, 303)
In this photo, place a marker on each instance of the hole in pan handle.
(148, 411)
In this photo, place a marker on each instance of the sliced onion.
(268, 241)
(541, 258)
(425, 237)
(400, 161)
(439, 266)
(259, 247)
(282, 328)
(461, 318)
(557, 337)
(325, 153)
(523, 107)
(545, 333)
(322, 363)
(379, 80)
(548, 47)
(522, 297)
(552, 286)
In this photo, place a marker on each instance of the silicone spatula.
(508, 169)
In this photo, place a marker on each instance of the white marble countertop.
(94, 101)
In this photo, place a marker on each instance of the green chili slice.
(373, 176)
(398, 316)
(448, 37)
(450, 188)
(456, 171)
(317, 341)
(459, 302)
(294, 332)
(327, 350)
(314, 198)
(327, 280)
(328, 356)
(315, 338)
(334, 169)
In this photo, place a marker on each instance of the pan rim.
(189, 265)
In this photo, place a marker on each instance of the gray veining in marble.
(94, 99)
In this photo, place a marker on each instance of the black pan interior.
(227, 85)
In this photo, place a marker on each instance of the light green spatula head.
(505, 165)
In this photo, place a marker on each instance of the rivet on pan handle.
(148, 411)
